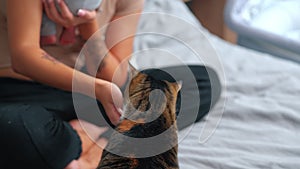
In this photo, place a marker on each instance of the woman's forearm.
(36, 64)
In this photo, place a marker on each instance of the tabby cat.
(145, 116)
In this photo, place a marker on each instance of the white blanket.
(261, 119)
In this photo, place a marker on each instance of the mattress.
(256, 121)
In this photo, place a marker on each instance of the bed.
(256, 122)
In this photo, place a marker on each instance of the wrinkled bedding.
(257, 119)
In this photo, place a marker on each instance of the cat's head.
(147, 97)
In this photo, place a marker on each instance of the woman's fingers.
(51, 11)
(46, 9)
(65, 17)
(111, 98)
(86, 15)
(66, 14)
(114, 105)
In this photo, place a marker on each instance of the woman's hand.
(111, 98)
(65, 16)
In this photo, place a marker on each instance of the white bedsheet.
(261, 120)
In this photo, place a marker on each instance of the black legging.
(33, 128)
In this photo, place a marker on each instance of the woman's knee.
(18, 149)
(35, 138)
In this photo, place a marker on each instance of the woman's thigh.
(32, 93)
(60, 103)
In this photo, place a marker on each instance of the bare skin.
(119, 43)
(92, 146)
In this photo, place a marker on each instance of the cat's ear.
(178, 85)
(132, 70)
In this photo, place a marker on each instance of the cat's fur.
(136, 123)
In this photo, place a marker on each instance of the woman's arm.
(118, 46)
(119, 40)
(27, 56)
(30, 60)
(113, 52)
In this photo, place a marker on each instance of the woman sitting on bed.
(36, 97)
(36, 88)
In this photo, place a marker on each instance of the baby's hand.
(65, 16)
